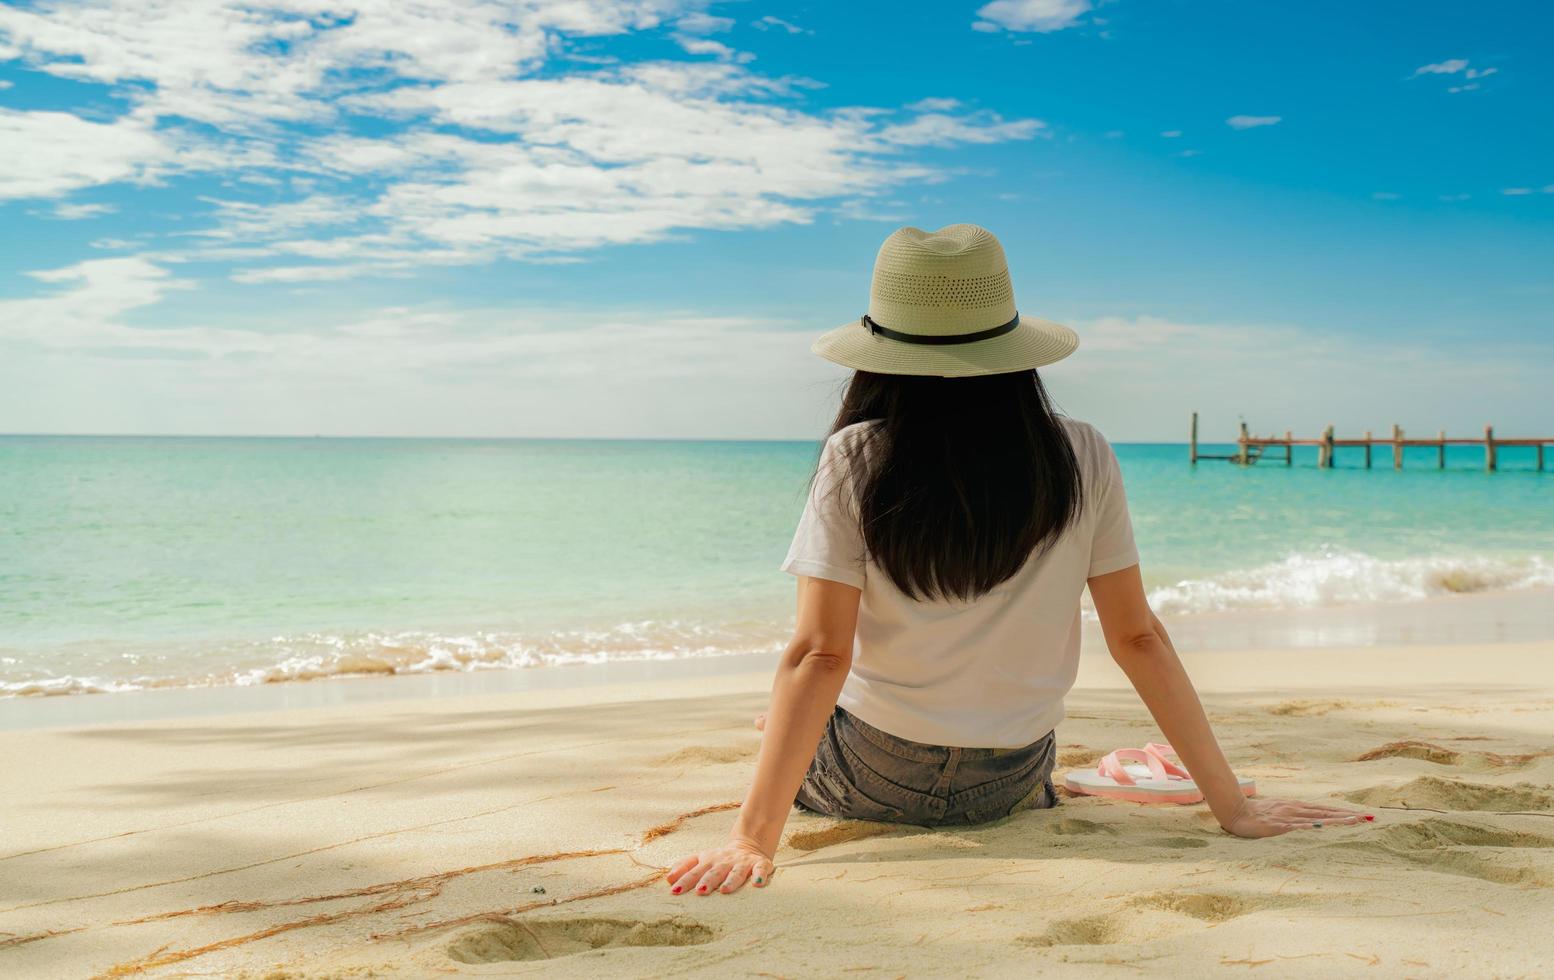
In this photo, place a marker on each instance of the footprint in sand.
(1436, 833)
(1214, 907)
(1098, 930)
(1452, 794)
(707, 755)
(1094, 930)
(1104, 930)
(547, 939)
(1075, 827)
(1443, 756)
(1306, 707)
(1412, 749)
(1175, 843)
(1472, 850)
(1072, 826)
(1077, 755)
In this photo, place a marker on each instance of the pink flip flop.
(1141, 776)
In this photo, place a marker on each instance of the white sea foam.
(1327, 578)
(311, 656)
(1335, 578)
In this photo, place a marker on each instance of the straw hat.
(941, 304)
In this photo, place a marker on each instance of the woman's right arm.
(1139, 644)
(808, 681)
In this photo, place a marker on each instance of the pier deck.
(1252, 449)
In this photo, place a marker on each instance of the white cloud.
(1142, 375)
(272, 59)
(702, 45)
(1517, 191)
(1188, 153)
(481, 153)
(1457, 66)
(1037, 16)
(78, 212)
(703, 23)
(69, 360)
(769, 23)
(1386, 196)
(1252, 122)
(249, 222)
(1450, 67)
(5, 83)
(595, 167)
(313, 273)
(1172, 134)
(87, 315)
(937, 129)
(51, 153)
(933, 105)
(1453, 198)
(88, 309)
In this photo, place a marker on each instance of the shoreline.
(413, 837)
(1460, 620)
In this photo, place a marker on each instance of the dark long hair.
(963, 480)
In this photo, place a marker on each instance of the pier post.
(1367, 449)
(1325, 450)
(1241, 442)
(1489, 448)
(1192, 441)
(1442, 451)
(1289, 448)
(1397, 446)
(1540, 457)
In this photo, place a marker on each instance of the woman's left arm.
(1139, 643)
(808, 681)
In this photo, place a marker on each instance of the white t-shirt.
(987, 673)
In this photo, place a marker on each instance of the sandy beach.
(526, 833)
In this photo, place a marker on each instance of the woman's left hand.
(722, 869)
(1257, 817)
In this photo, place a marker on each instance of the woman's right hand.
(1257, 817)
(721, 869)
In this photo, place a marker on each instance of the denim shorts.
(863, 773)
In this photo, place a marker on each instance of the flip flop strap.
(1159, 751)
(1112, 767)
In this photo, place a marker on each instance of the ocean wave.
(313, 656)
(1335, 578)
(1325, 578)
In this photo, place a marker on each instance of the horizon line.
(474, 438)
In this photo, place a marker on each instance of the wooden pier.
(1250, 449)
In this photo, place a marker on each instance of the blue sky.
(630, 217)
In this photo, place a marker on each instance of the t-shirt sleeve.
(1112, 547)
(828, 543)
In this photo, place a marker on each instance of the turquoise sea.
(131, 562)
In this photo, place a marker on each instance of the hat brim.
(1035, 342)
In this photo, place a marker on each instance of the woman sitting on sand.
(952, 525)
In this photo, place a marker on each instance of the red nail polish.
(1370, 816)
(675, 890)
(702, 889)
